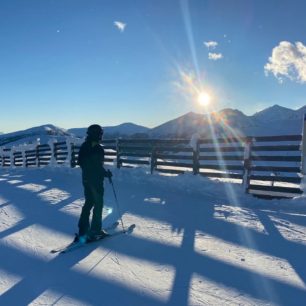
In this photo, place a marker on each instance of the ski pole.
(117, 204)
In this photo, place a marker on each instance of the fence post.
(37, 156)
(25, 157)
(12, 162)
(37, 152)
(303, 149)
(194, 144)
(196, 155)
(73, 161)
(118, 153)
(1, 156)
(247, 163)
(68, 160)
(23, 149)
(52, 147)
(153, 159)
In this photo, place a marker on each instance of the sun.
(204, 98)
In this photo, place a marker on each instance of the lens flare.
(195, 91)
(204, 98)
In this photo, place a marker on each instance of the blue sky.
(75, 62)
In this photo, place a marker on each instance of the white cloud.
(120, 25)
(215, 56)
(288, 60)
(211, 44)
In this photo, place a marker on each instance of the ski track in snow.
(196, 242)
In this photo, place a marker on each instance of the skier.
(91, 160)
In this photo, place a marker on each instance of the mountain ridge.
(274, 120)
(126, 129)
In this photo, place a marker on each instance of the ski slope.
(197, 242)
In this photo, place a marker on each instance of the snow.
(197, 242)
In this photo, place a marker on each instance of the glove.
(109, 174)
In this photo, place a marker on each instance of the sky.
(72, 63)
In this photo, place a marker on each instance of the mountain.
(275, 113)
(123, 130)
(301, 111)
(43, 132)
(274, 120)
(219, 122)
(281, 120)
(186, 124)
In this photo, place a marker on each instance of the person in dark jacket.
(91, 160)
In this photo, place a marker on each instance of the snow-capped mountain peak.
(43, 132)
(274, 113)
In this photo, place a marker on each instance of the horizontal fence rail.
(267, 166)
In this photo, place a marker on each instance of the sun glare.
(204, 98)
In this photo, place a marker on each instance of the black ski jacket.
(91, 160)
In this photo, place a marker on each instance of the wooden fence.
(267, 166)
(275, 165)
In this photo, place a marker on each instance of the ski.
(78, 245)
(108, 228)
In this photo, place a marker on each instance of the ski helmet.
(95, 132)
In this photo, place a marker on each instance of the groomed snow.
(197, 242)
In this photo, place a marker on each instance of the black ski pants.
(93, 199)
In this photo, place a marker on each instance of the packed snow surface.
(196, 242)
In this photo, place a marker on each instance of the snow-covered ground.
(197, 242)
